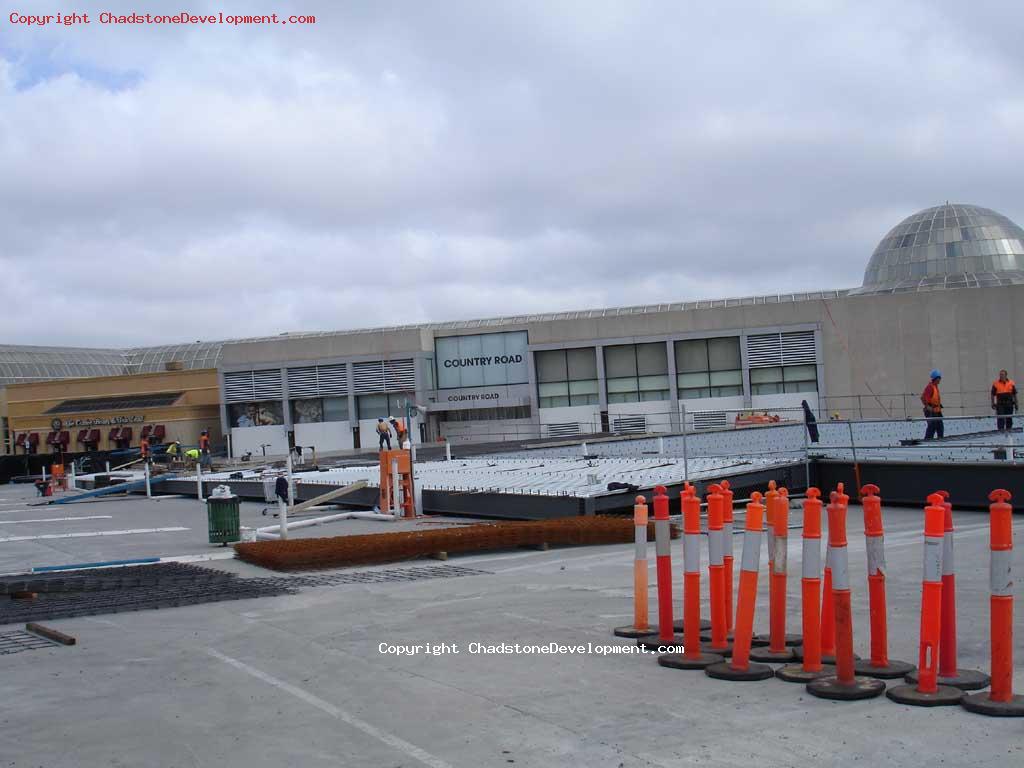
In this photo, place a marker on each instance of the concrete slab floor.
(301, 680)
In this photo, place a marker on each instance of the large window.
(709, 367)
(313, 410)
(636, 372)
(566, 377)
(783, 378)
(383, 405)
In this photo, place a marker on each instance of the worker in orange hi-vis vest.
(1004, 401)
(931, 399)
(400, 431)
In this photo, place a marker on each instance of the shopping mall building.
(944, 289)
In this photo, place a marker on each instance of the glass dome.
(948, 246)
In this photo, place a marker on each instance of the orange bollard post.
(1001, 700)
(693, 656)
(727, 557)
(640, 626)
(666, 640)
(740, 667)
(770, 502)
(844, 685)
(704, 624)
(778, 641)
(812, 668)
(879, 665)
(716, 573)
(927, 692)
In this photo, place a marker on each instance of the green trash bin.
(222, 512)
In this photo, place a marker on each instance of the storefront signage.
(481, 360)
(479, 397)
(102, 421)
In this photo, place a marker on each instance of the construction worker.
(384, 432)
(400, 431)
(810, 422)
(931, 399)
(192, 454)
(147, 454)
(1004, 401)
(204, 448)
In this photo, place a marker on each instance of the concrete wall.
(324, 436)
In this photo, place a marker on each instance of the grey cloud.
(465, 159)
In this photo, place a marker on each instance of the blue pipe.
(104, 564)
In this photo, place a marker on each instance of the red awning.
(115, 433)
(126, 433)
(21, 438)
(94, 436)
(82, 436)
(159, 432)
(145, 431)
(51, 439)
(64, 437)
(33, 438)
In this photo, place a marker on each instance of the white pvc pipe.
(72, 484)
(291, 526)
(447, 451)
(44, 473)
(199, 482)
(283, 516)
(149, 487)
(396, 506)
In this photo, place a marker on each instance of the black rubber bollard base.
(633, 632)
(652, 643)
(679, 661)
(765, 653)
(965, 680)
(983, 705)
(724, 671)
(944, 696)
(891, 671)
(826, 658)
(791, 640)
(832, 688)
(725, 652)
(704, 624)
(794, 673)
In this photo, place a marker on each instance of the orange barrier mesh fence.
(338, 551)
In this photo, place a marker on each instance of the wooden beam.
(329, 496)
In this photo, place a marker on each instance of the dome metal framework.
(948, 246)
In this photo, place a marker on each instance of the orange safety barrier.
(927, 692)
(716, 572)
(740, 666)
(1001, 700)
(640, 626)
(692, 657)
(666, 639)
(771, 498)
(879, 665)
(812, 667)
(844, 685)
(778, 640)
(727, 557)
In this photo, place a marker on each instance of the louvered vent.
(709, 420)
(267, 385)
(317, 381)
(384, 376)
(767, 350)
(238, 387)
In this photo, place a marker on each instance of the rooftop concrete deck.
(300, 680)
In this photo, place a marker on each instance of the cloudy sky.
(406, 161)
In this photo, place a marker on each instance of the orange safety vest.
(1003, 387)
(399, 427)
(931, 397)
(204, 442)
(144, 446)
